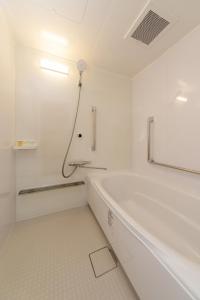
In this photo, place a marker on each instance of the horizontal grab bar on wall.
(150, 158)
(50, 187)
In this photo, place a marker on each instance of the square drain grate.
(103, 261)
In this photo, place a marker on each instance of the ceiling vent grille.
(150, 27)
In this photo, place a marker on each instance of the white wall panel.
(7, 161)
(177, 124)
(46, 103)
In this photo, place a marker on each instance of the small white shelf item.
(25, 145)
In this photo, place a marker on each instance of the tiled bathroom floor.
(47, 259)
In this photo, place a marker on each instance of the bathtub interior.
(124, 186)
(161, 211)
(165, 225)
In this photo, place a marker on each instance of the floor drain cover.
(103, 261)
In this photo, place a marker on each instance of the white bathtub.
(155, 232)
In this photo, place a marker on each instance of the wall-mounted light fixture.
(182, 98)
(54, 66)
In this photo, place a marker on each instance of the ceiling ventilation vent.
(150, 27)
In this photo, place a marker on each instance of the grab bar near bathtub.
(94, 129)
(150, 158)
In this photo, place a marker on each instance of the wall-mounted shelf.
(25, 145)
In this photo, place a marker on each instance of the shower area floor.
(47, 258)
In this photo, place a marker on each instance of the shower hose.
(72, 133)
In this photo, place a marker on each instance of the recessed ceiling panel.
(73, 10)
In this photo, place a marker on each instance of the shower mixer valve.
(79, 163)
(83, 164)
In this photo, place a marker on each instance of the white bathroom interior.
(99, 150)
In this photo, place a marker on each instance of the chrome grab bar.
(96, 168)
(94, 117)
(150, 158)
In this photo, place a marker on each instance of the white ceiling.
(70, 10)
(96, 29)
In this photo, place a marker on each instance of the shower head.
(81, 65)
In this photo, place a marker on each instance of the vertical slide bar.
(94, 117)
